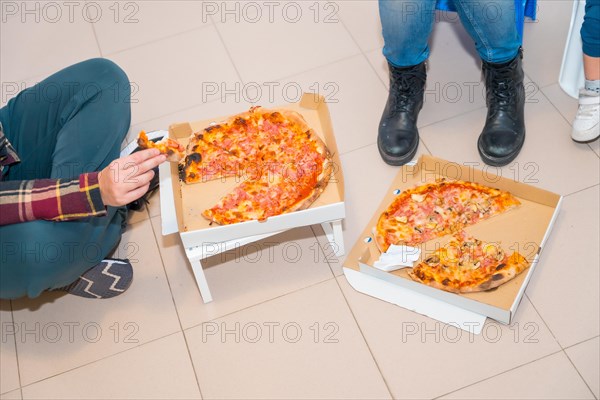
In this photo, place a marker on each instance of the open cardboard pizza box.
(524, 229)
(182, 204)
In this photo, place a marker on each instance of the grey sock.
(592, 86)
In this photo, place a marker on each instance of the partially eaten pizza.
(468, 265)
(437, 209)
(282, 163)
(174, 151)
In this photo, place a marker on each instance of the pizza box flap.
(192, 199)
(522, 229)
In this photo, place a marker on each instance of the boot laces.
(408, 85)
(503, 89)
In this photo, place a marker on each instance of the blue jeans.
(407, 25)
(72, 122)
(590, 30)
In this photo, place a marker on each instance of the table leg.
(201, 280)
(333, 231)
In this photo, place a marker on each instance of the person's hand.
(127, 178)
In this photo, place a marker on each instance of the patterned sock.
(592, 86)
(107, 279)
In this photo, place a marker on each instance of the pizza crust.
(421, 198)
(514, 265)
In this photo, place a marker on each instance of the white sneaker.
(585, 126)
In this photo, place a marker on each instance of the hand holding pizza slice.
(174, 151)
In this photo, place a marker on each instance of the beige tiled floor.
(283, 326)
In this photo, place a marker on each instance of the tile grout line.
(227, 50)
(579, 373)
(287, 76)
(420, 138)
(581, 342)
(258, 304)
(96, 39)
(559, 344)
(160, 39)
(498, 374)
(352, 313)
(581, 190)
(12, 315)
(100, 359)
(311, 69)
(542, 318)
(541, 89)
(187, 347)
(364, 53)
(175, 112)
(385, 382)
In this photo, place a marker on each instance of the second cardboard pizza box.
(524, 229)
(190, 200)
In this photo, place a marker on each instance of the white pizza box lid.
(524, 229)
(182, 204)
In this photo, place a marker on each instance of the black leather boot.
(504, 131)
(398, 136)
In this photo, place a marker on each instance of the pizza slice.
(205, 162)
(437, 209)
(276, 192)
(239, 136)
(173, 149)
(468, 265)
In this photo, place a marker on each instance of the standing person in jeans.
(62, 186)
(586, 126)
(492, 24)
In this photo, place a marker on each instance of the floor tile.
(410, 348)
(573, 244)
(153, 206)
(133, 217)
(551, 377)
(361, 18)
(302, 345)
(172, 74)
(367, 178)
(564, 167)
(355, 105)
(129, 24)
(244, 276)
(544, 41)
(43, 37)
(59, 332)
(586, 358)
(9, 368)
(14, 395)
(301, 42)
(567, 106)
(11, 89)
(379, 64)
(596, 147)
(157, 370)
